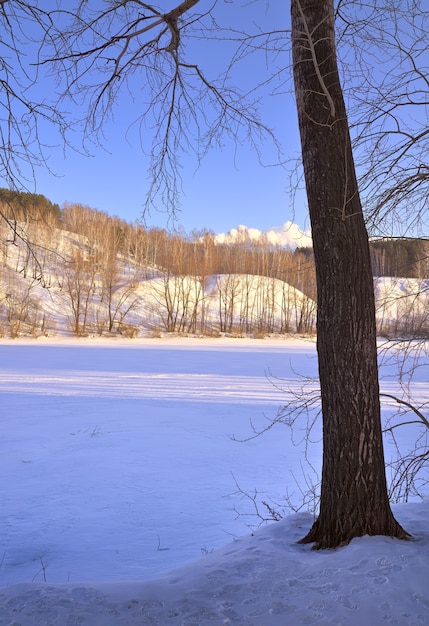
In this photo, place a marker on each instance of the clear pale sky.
(230, 186)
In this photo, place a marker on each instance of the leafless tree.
(354, 499)
(99, 51)
(24, 111)
(79, 289)
(384, 54)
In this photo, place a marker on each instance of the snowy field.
(119, 465)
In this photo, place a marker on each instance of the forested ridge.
(115, 277)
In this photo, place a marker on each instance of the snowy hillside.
(402, 304)
(71, 284)
(68, 287)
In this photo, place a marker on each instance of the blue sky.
(229, 187)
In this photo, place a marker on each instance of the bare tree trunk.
(354, 499)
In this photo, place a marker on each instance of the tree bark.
(354, 500)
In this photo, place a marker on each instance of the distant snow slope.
(289, 234)
(402, 303)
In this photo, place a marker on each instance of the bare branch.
(410, 406)
(312, 47)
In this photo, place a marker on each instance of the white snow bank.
(265, 579)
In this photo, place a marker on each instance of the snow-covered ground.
(120, 487)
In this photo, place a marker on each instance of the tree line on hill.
(395, 257)
(90, 255)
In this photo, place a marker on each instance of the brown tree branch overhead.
(172, 17)
(176, 13)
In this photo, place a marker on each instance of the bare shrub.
(409, 469)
